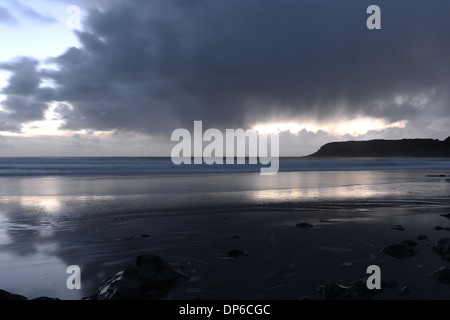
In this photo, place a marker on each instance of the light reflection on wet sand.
(47, 224)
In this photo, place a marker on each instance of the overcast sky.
(137, 70)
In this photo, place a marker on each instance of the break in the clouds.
(153, 66)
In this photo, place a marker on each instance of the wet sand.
(351, 224)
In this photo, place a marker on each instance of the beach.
(195, 150)
(102, 223)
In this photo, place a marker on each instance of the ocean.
(131, 166)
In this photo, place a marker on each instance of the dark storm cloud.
(155, 65)
(25, 80)
(25, 100)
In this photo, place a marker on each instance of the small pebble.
(237, 253)
(304, 225)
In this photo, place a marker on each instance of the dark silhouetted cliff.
(386, 148)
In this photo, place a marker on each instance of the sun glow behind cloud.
(354, 127)
(49, 126)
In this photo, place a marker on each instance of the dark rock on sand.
(442, 248)
(237, 253)
(446, 215)
(5, 295)
(439, 228)
(151, 279)
(183, 266)
(139, 236)
(398, 227)
(304, 225)
(442, 275)
(436, 175)
(410, 243)
(358, 290)
(401, 250)
(422, 237)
